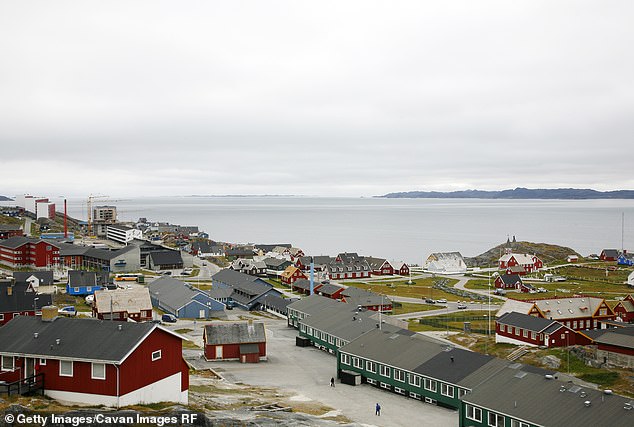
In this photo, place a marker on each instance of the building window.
(76, 289)
(370, 367)
(8, 363)
(574, 325)
(357, 362)
(1, 316)
(414, 380)
(496, 420)
(42, 362)
(331, 339)
(345, 359)
(430, 385)
(65, 368)
(533, 335)
(525, 333)
(384, 371)
(446, 390)
(474, 413)
(516, 423)
(399, 375)
(98, 371)
(156, 355)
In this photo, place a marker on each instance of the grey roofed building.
(278, 264)
(269, 248)
(278, 304)
(346, 325)
(327, 289)
(619, 337)
(182, 300)
(525, 321)
(79, 278)
(218, 333)
(45, 277)
(20, 298)
(364, 298)
(535, 399)
(453, 365)
(220, 292)
(166, 259)
(79, 339)
(313, 304)
(248, 291)
(303, 284)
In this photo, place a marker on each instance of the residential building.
(9, 230)
(311, 305)
(249, 266)
(34, 278)
(445, 263)
(577, 313)
(183, 300)
(291, 274)
(330, 291)
(401, 268)
(102, 217)
(320, 262)
(303, 286)
(519, 263)
(86, 361)
(348, 266)
(123, 304)
(276, 266)
(380, 266)
(366, 300)
(20, 252)
(243, 341)
(165, 260)
(45, 209)
(249, 292)
(522, 329)
(609, 255)
(122, 233)
(121, 260)
(613, 347)
(511, 282)
(84, 283)
(20, 299)
(624, 309)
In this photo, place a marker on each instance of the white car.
(442, 301)
(462, 306)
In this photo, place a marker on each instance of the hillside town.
(106, 313)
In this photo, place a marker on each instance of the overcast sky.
(342, 98)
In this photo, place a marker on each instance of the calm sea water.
(398, 229)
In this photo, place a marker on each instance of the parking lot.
(306, 372)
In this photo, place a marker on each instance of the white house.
(445, 263)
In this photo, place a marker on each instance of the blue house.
(183, 300)
(82, 283)
(625, 259)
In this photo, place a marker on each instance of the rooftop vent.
(583, 394)
(120, 327)
(58, 341)
(562, 388)
(587, 403)
(35, 334)
(628, 406)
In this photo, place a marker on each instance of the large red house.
(292, 274)
(17, 252)
(625, 309)
(577, 313)
(88, 361)
(243, 341)
(520, 263)
(8, 230)
(523, 329)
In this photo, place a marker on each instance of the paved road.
(307, 372)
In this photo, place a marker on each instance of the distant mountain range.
(517, 193)
(5, 199)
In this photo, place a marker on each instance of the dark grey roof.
(220, 290)
(234, 333)
(86, 339)
(620, 337)
(276, 262)
(243, 283)
(313, 304)
(303, 284)
(17, 241)
(328, 289)
(171, 293)
(345, 324)
(510, 279)
(464, 363)
(527, 396)
(68, 249)
(166, 257)
(269, 248)
(45, 277)
(9, 227)
(399, 348)
(20, 300)
(364, 298)
(78, 278)
(612, 253)
(525, 321)
(278, 303)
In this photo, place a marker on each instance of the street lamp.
(567, 353)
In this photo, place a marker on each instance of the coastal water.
(397, 229)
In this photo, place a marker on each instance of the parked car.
(430, 301)
(441, 301)
(67, 311)
(462, 306)
(168, 318)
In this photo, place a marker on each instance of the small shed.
(243, 341)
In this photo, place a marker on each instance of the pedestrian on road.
(332, 382)
(378, 410)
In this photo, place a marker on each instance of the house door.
(218, 352)
(29, 367)
(201, 314)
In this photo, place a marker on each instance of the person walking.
(378, 410)
(332, 382)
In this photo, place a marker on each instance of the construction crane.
(91, 198)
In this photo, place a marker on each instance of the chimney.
(250, 327)
(451, 357)
(49, 313)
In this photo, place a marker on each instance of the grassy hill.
(548, 253)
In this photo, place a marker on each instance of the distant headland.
(517, 193)
(5, 199)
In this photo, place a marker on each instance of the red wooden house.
(8, 230)
(303, 286)
(292, 274)
(625, 309)
(511, 282)
(17, 252)
(243, 341)
(330, 291)
(520, 263)
(92, 362)
(523, 329)
(609, 255)
(577, 313)
(380, 266)
(401, 269)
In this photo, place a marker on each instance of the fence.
(24, 386)
(444, 322)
